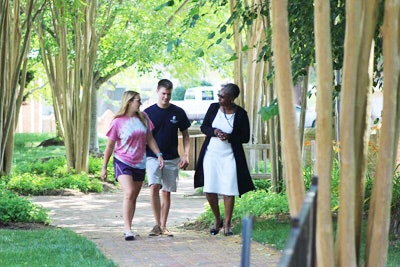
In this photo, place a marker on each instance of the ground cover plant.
(14, 208)
(39, 168)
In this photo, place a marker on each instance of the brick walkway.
(98, 217)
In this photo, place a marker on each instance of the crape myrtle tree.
(122, 34)
(16, 24)
(68, 44)
(140, 34)
(83, 45)
(358, 66)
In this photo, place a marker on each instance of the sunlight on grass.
(27, 149)
(48, 247)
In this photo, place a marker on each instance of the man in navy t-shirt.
(167, 119)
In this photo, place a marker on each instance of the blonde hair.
(127, 97)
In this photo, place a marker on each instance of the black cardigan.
(240, 134)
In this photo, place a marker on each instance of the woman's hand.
(220, 134)
(104, 173)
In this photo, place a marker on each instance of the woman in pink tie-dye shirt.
(129, 133)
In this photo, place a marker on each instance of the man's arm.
(186, 147)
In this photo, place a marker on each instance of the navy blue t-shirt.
(166, 122)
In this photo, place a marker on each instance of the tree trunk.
(324, 133)
(15, 31)
(354, 127)
(71, 78)
(363, 113)
(272, 128)
(303, 105)
(238, 63)
(94, 140)
(379, 216)
(284, 85)
(347, 188)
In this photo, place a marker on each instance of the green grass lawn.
(48, 247)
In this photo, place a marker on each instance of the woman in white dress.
(222, 167)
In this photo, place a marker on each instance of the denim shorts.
(121, 168)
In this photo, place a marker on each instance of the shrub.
(259, 203)
(33, 184)
(14, 208)
(51, 167)
(262, 184)
(80, 182)
(30, 184)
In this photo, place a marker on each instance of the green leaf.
(268, 112)
(170, 45)
(168, 3)
(194, 20)
(199, 52)
(233, 57)
(223, 29)
(211, 35)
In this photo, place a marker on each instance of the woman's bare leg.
(131, 191)
(229, 202)
(213, 201)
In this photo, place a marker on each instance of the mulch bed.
(24, 226)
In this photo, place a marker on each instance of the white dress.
(219, 164)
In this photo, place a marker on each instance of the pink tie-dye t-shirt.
(130, 139)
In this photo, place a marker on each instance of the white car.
(310, 119)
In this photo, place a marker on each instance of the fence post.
(300, 249)
(247, 226)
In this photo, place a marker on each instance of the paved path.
(98, 217)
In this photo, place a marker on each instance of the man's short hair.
(167, 84)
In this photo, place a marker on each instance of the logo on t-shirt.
(173, 120)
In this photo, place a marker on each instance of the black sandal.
(229, 233)
(216, 231)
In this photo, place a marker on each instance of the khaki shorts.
(167, 177)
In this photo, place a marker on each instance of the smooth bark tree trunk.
(379, 216)
(16, 23)
(284, 86)
(324, 133)
(94, 148)
(363, 113)
(347, 188)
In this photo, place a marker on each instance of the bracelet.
(159, 154)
